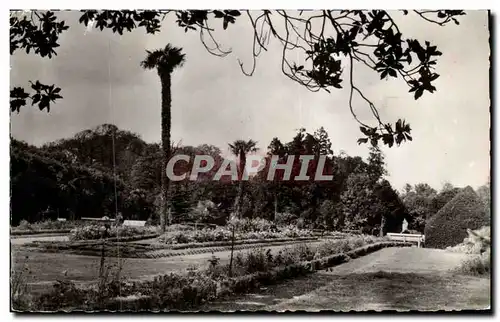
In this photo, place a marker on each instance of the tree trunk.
(382, 226)
(275, 205)
(239, 198)
(166, 119)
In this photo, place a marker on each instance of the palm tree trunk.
(166, 119)
(239, 198)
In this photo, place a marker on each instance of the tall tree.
(276, 148)
(376, 164)
(241, 148)
(484, 193)
(376, 170)
(165, 61)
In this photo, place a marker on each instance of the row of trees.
(78, 176)
(93, 163)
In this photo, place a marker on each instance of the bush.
(24, 225)
(477, 265)
(285, 218)
(476, 242)
(64, 295)
(449, 226)
(175, 291)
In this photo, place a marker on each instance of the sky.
(214, 102)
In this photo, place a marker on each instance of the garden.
(188, 290)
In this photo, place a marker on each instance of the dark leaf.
(419, 93)
(362, 140)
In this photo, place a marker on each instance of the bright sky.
(214, 103)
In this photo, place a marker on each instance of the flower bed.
(92, 232)
(224, 234)
(123, 248)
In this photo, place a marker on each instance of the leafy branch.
(43, 95)
(327, 40)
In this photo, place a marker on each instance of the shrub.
(175, 291)
(449, 226)
(63, 295)
(477, 264)
(285, 218)
(24, 225)
(476, 242)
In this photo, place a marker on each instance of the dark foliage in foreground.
(350, 34)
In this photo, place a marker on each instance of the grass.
(394, 291)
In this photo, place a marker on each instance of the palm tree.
(165, 61)
(241, 148)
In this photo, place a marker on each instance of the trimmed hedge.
(449, 226)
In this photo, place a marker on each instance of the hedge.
(449, 226)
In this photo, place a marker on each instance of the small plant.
(477, 265)
(24, 225)
(21, 299)
(214, 261)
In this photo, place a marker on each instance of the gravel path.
(403, 260)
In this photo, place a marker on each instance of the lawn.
(394, 291)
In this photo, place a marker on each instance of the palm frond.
(241, 146)
(165, 60)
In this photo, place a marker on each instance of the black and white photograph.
(274, 160)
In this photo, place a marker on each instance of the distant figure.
(405, 226)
